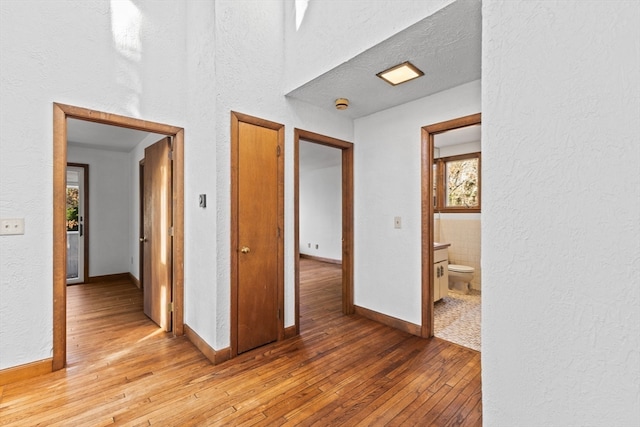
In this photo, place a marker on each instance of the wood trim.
(441, 171)
(109, 277)
(323, 139)
(394, 322)
(215, 356)
(347, 216)
(178, 233)
(460, 122)
(296, 230)
(426, 155)
(290, 332)
(86, 216)
(321, 259)
(59, 238)
(236, 118)
(133, 279)
(347, 231)
(233, 257)
(141, 224)
(24, 372)
(60, 114)
(281, 144)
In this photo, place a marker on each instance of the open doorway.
(77, 222)
(344, 248)
(451, 203)
(61, 115)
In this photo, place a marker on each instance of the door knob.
(143, 239)
(245, 250)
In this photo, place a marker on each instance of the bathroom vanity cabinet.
(440, 272)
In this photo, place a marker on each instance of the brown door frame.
(60, 114)
(236, 118)
(347, 216)
(85, 227)
(141, 224)
(428, 134)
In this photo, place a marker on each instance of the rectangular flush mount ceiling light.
(400, 73)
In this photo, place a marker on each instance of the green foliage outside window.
(72, 208)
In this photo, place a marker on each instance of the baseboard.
(290, 332)
(109, 278)
(215, 356)
(134, 279)
(317, 258)
(402, 325)
(24, 372)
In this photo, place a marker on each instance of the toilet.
(460, 278)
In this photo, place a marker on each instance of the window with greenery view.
(72, 208)
(456, 185)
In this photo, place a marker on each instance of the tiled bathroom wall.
(462, 231)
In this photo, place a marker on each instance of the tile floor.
(457, 319)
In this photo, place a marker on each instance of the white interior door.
(75, 224)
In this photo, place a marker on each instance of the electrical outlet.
(397, 222)
(316, 246)
(11, 226)
(309, 245)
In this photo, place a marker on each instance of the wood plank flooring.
(341, 371)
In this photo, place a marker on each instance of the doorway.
(347, 216)
(77, 216)
(61, 113)
(428, 277)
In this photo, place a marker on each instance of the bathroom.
(457, 219)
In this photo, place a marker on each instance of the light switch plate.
(11, 226)
(397, 222)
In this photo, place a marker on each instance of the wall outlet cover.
(11, 226)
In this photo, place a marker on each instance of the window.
(456, 183)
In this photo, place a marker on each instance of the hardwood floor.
(341, 370)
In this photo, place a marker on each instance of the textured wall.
(110, 186)
(82, 53)
(560, 222)
(387, 184)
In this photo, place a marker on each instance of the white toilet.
(460, 278)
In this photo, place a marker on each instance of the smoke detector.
(342, 103)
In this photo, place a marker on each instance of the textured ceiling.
(446, 46)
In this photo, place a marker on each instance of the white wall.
(71, 52)
(109, 195)
(321, 211)
(387, 184)
(250, 37)
(561, 223)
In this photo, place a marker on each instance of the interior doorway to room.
(61, 116)
(451, 195)
(345, 245)
(77, 217)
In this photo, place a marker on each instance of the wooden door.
(258, 238)
(156, 239)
